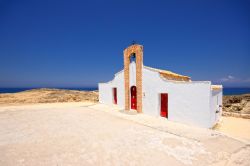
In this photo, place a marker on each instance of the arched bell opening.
(132, 58)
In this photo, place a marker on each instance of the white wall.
(105, 94)
(215, 102)
(188, 102)
(105, 89)
(132, 74)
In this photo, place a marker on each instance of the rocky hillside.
(237, 106)
(45, 95)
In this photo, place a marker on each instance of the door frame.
(159, 99)
(131, 97)
(114, 95)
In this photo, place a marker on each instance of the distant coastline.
(226, 91)
(15, 90)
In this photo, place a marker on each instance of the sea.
(226, 91)
(14, 90)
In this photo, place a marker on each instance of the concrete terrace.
(96, 134)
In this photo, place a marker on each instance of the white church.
(163, 93)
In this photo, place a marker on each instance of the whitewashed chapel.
(162, 93)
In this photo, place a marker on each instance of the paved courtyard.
(95, 134)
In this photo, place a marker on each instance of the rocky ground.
(237, 106)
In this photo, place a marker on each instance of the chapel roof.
(170, 75)
(216, 87)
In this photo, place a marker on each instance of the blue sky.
(80, 43)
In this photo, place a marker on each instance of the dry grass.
(45, 95)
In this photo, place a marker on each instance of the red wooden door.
(133, 97)
(115, 95)
(164, 105)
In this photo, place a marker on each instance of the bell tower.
(137, 51)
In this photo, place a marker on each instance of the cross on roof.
(133, 42)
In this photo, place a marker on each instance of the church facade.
(162, 93)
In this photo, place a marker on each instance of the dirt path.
(95, 134)
(235, 127)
